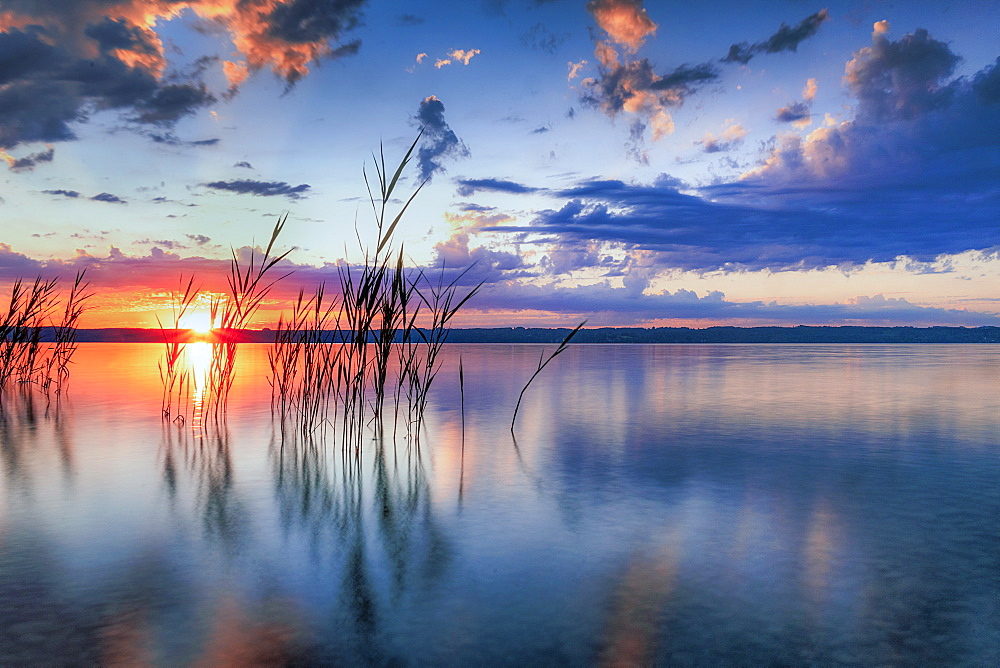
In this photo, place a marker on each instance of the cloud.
(900, 80)
(626, 84)
(64, 193)
(809, 92)
(61, 61)
(438, 140)
(987, 84)
(467, 187)
(464, 56)
(170, 139)
(28, 162)
(574, 69)
(635, 88)
(749, 226)
(625, 21)
(540, 38)
(799, 114)
(411, 20)
(795, 111)
(243, 164)
(260, 188)
(913, 127)
(109, 198)
(787, 38)
(59, 79)
(456, 56)
(731, 137)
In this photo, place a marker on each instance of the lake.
(661, 504)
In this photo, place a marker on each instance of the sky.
(625, 162)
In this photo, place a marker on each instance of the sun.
(199, 321)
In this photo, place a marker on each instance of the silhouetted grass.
(377, 345)
(24, 357)
(336, 359)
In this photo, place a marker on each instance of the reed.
(61, 353)
(173, 376)
(335, 359)
(542, 363)
(442, 302)
(378, 348)
(249, 283)
(24, 357)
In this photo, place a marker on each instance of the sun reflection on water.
(199, 357)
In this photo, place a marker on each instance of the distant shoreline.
(799, 334)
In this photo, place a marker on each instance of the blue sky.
(626, 162)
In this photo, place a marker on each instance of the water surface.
(672, 505)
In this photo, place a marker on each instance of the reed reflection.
(371, 511)
(31, 424)
(203, 455)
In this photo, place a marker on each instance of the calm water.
(671, 505)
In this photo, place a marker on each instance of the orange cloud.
(625, 21)
(464, 56)
(265, 33)
(574, 69)
(809, 92)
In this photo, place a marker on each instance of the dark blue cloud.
(796, 111)
(29, 162)
(64, 193)
(467, 187)
(759, 228)
(109, 198)
(170, 139)
(304, 21)
(47, 85)
(438, 141)
(787, 38)
(68, 59)
(261, 188)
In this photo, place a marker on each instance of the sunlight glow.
(199, 321)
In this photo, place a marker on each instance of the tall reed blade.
(541, 365)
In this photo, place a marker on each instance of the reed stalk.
(542, 363)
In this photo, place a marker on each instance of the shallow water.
(672, 505)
